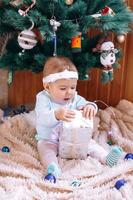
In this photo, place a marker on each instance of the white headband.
(60, 75)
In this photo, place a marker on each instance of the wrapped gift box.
(74, 137)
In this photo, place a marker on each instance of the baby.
(57, 103)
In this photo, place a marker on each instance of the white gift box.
(74, 137)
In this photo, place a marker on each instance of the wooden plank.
(24, 88)
(129, 73)
(3, 88)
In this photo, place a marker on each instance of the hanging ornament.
(121, 38)
(76, 43)
(25, 12)
(68, 2)
(103, 12)
(107, 59)
(55, 24)
(55, 44)
(10, 77)
(27, 38)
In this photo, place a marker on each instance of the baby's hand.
(89, 111)
(64, 114)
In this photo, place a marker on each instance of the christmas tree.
(35, 30)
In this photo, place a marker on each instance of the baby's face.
(63, 90)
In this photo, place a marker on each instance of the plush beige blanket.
(21, 173)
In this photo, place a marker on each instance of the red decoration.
(107, 11)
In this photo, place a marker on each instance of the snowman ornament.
(107, 59)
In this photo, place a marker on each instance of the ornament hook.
(32, 24)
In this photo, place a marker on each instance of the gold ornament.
(120, 38)
(69, 2)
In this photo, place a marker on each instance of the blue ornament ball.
(5, 149)
(120, 183)
(128, 156)
(51, 178)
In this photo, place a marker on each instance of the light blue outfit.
(45, 118)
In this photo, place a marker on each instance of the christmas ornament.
(113, 156)
(129, 156)
(51, 178)
(86, 77)
(76, 43)
(120, 183)
(103, 12)
(120, 38)
(25, 12)
(27, 38)
(107, 59)
(10, 77)
(55, 24)
(5, 149)
(69, 2)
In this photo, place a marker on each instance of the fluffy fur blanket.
(21, 171)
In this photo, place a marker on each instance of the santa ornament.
(107, 59)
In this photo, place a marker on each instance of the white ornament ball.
(27, 39)
(120, 38)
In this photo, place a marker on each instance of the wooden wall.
(3, 88)
(26, 84)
